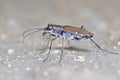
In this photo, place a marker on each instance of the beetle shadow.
(72, 48)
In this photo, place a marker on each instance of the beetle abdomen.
(67, 35)
(71, 36)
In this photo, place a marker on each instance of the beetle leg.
(102, 48)
(47, 44)
(48, 41)
(61, 55)
(69, 43)
(50, 48)
(82, 27)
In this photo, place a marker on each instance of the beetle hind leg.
(82, 27)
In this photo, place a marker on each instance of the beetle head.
(48, 29)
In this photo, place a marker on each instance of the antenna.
(36, 30)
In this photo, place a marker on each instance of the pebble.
(118, 43)
(3, 36)
(79, 58)
(9, 65)
(28, 68)
(10, 51)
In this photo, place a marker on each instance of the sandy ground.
(84, 61)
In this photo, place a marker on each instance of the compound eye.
(49, 28)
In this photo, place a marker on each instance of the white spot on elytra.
(76, 32)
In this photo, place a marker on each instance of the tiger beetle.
(66, 32)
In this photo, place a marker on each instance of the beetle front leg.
(48, 54)
(44, 49)
(48, 41)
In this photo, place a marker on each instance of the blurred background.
(20, 61)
